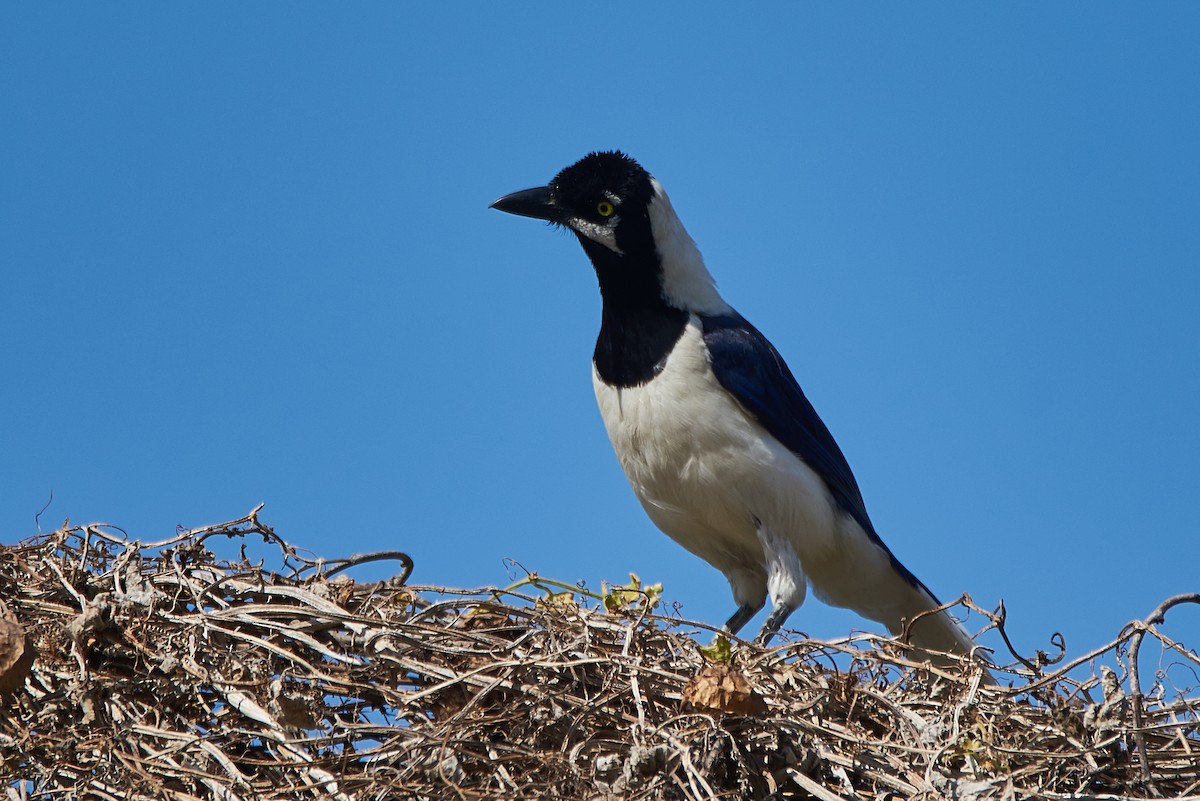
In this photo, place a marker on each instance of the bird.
(721, 446)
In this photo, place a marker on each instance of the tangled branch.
(162, 671)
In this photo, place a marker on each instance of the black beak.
(535, 203)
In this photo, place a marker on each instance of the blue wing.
(750, 369)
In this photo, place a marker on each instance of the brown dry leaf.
(723, 688)
(16, 654)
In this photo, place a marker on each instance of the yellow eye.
(605, 209)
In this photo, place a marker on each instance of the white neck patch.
(686, 282)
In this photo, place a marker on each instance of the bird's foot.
(778, 615)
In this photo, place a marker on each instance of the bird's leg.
(739, 618)
(779, 613)
(786, 583)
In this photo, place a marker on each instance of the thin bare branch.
(165, 672)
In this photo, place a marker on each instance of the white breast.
(704, 470)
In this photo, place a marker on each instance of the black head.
(651, 275)
(604, 198)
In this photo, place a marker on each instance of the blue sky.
(247, 257)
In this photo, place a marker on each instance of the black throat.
(638, 328)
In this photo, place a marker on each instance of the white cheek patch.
(600, 234)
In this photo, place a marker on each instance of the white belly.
(704, 470)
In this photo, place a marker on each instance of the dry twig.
(165, 672)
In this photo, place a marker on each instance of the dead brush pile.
(160, 671)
